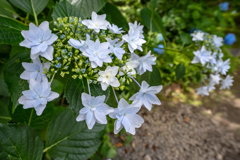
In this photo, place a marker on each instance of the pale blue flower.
(203, 91)
(126, 117)
(217, 41)
(114, 29)
(97, 22)
(98, 53)
(40, 40)
(160, 36)
(134, 40)
(94, 110)
(34, 70)
(223, 66)
(227, 82)
(145, 63)
(146, 96)
(203, 56)
(81, 45)
(38, 96)
(115, 47)
(137, 26)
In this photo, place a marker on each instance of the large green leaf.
(67, 136)
(30, 117)
(4, 116)
(87, 6)
(30, 6)
(3, 86)
(11, 72)
(10, 31)
(115, 16)
(65, 9)
(180, 70)
(75, 88)
(6, 10)
(21, 142)
(152, 78)
(152, 21)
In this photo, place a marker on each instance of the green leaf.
(11, 72)
(152, 22)
(75, 88)
(115, 16)
(65, 9)
(180, 71)
(67, 136)
(153, 4)
(21, 142)
(17, 49)
(198, 76)
(3, 86)
(6, 10)
(57, 86)
(152, 78)
(10, 31)
(186, 38)
(30, 117)
(87, 6)
(30, 6)
(4, 116)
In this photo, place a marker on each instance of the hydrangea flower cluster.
(210, 57)
(39, 40)
(95, 50)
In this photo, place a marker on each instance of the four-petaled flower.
(107, 77)
(146, 96)
(98, 53)
(94, 110)
(126, 117)
(34, 70)
(38, 96)
(40, 40)
(134, 40)
(98, 22)
(203, 56)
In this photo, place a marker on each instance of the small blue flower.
(160, 37)
(87, 61)
(58, 58)
(58, 65)
(64, 51)
(159, 50)
(224, 6)
(229, 39)
(70, 54)
(62, 36)
(83, 70)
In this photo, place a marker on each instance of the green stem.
(162, 48)
(34, 14)
(30, 118)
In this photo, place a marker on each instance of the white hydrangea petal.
(86, 98)
(25, 75)
(104, 86)
(29, 94)
(84, 110)
(132, 110)
(29, 104)
(81, 117)
(22, 100)
(48, 54)
(116, 131)
(153, 99)
(29, 66)
(75, 43)
(52, 96)
(100, 116)
(39, 109)
(126, 123)
(52, 39)
(135, 119)
(146, 103)
(89, 117)
(91, 124)
(123, 104)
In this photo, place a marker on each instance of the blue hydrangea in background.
(159, 50)
(229, 39)
(224, 6)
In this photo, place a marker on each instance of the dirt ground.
(183, 131)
